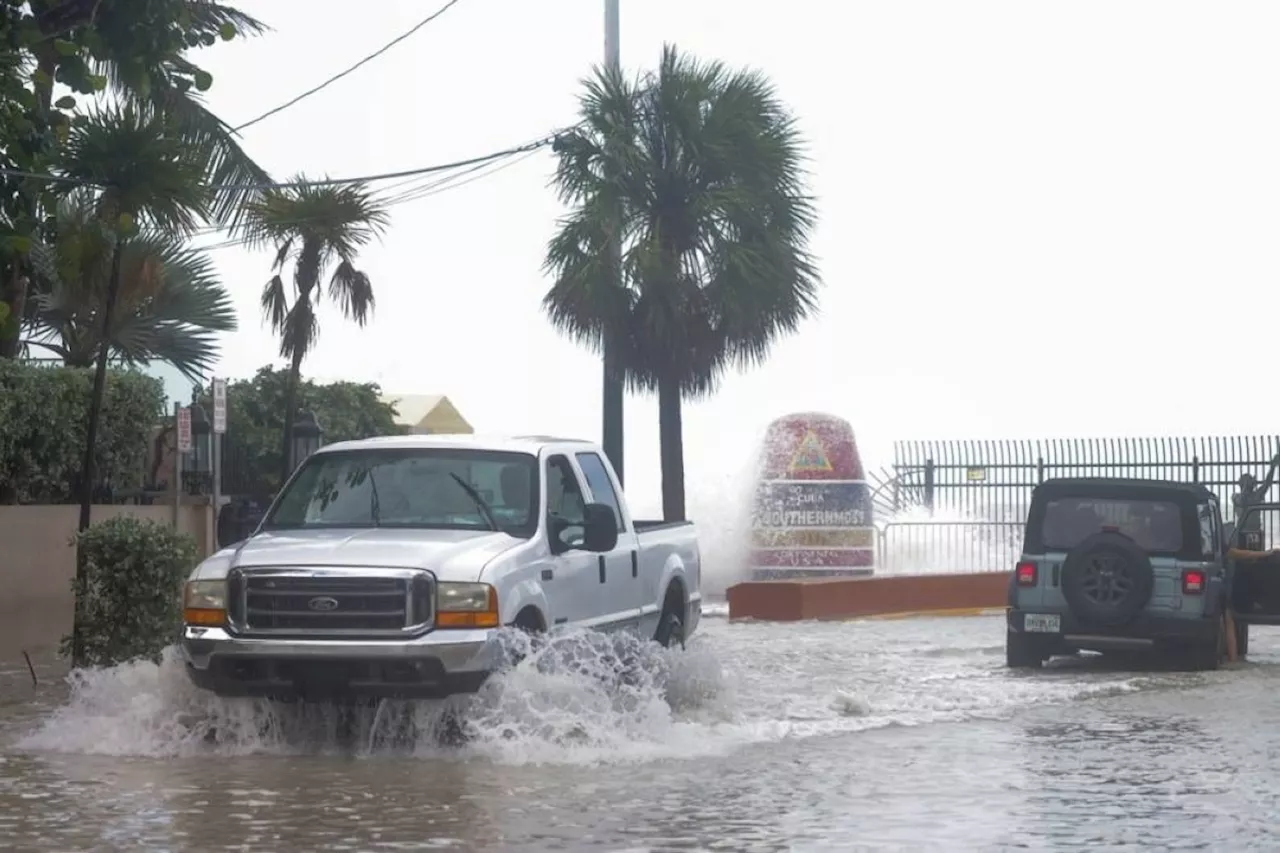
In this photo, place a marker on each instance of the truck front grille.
(331, 602)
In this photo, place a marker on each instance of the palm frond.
(353, 292)
(141, 170)
(151, 77)
(275, 304)
(301, 330)
(170, 308)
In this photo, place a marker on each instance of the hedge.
(43, 418)
(130, 604)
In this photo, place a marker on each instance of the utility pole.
(611, 396)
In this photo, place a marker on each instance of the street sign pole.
(181, 445)
(219, 429)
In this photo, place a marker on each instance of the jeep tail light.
(1026, 574)
(1193, 581)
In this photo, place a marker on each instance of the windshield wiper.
(375, 505)
(479, 501)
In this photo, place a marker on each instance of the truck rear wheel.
(670, 631)
(1021, 652)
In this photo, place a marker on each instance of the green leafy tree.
(255, 418)
(698, 169)
(42, 431)
(91, 47)
(169, 308)
(317, 228)
(149, 67)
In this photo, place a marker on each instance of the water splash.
(577, 696)
(585, 698)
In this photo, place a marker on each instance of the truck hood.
(453, 555)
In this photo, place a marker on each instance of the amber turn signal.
(204, 617)
(464, 619)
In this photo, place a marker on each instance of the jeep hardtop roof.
(1186, 496)
(1120, 486)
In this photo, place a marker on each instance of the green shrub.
(43, 418)
(130, 603)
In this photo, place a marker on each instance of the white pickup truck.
(385, 567)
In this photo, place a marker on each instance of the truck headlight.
(205, 603)
(466, 605)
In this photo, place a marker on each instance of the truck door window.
(1210, 535)
(564, 494)
(601, 486)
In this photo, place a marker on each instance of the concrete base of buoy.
(854, 598)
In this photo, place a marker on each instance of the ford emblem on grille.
(323, 604)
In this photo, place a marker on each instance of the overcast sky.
(1036, 218)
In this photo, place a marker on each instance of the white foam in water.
(581, 697)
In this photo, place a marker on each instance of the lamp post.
(306, 438)
(199, 461)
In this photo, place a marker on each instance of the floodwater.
(874, 735)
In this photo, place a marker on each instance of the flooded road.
(891, 735)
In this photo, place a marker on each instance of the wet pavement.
(878, 735)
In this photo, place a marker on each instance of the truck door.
(1255, 583)
(619, 570)
(570, 581)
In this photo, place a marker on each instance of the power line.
(415, 193)
(335, 78)
(326, 182)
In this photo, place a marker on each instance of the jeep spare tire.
(1107, 580)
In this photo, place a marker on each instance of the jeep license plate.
(1042, 623)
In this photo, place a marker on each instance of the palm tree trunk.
(290, 404)
(88, 476)
(611, 403)
(671, 441)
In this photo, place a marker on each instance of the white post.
(219, 429)
(612, 36)
(177, 466)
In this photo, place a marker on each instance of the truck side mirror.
(601, 528)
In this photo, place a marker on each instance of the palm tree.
(140, 176)
(315, 226)
(169, 308)
(699, 170)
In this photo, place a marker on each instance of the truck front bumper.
(435, 665)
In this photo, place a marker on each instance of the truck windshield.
(1154, 525)
(417, 488)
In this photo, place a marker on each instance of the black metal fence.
(959, 506)
(992, 480)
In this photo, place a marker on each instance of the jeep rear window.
(1154, 525)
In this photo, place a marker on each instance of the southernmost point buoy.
(812, 515)
(813, 546)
